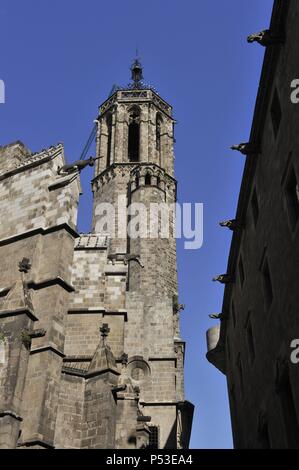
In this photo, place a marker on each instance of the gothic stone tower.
(136, 165)
(64, 383)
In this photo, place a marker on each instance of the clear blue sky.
(59, 60)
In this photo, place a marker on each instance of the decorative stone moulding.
(138, 369)
(158, 178)
(33, 160)
(145, 95)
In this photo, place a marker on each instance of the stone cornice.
(136, 96)
(60, 182)
(10, 413)
(98, 310)
(132, 167)
(39, 231)
(36, 442)
(47, 347)
(54, 281)
(33, 161)
(18, 311)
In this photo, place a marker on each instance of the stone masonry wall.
(42, 208)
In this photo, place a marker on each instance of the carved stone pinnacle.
(104, 330)
(24, 265)
(124, 358)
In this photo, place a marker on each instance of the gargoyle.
(215, 316)
(246, 148)
(144, 419)
(266, 38)
(179, 307)
(223, 278)
(136, 258)
(218, 316)
(78, 165)
(28, 335)
(119, 388)
(232, 224)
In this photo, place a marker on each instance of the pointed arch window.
(134, 135)
(109, 138)
(159, 121)
(147, 179)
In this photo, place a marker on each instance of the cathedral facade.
(90, 349)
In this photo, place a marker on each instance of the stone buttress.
(38, 214)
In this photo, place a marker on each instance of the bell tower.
(134, 173)
(135, 128)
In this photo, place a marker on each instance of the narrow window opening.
(147, 181)
(250, 339)
(255, 206)
(158, 132)
(241, 272)
(292, 197)
(267, 283)
(227, 348)
(134, 136)
(240, 369)
(233, 314)
(276, 113)
(109, 141)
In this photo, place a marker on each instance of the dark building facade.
(259, 318)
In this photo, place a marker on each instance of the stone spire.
(18, 298)
(103, 359)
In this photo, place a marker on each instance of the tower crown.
(135, 126)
